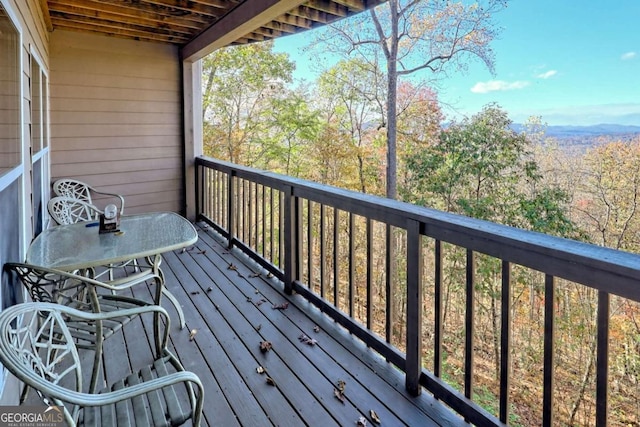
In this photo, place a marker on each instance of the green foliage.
(483, 169)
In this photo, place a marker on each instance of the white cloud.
(498, 85)
(628, 55)
(547, 74)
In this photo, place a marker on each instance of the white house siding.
(116, 118)
(16, 214)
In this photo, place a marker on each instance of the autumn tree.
(481, 168)
(409, 37)
(351, 102)
(241, 84)
(610, 194)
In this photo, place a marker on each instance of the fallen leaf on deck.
(192, 334)
(282, 306)
(305, 339)
(271, 382)
(259, 327)
(249, 299)
(374, 417)
(254, 275)
(260, 370)
(269, 276)
(265, 346)
(316, 329)
(260, 302)
(362, 421)
(232, 267)
(339, 391)
(203, 252)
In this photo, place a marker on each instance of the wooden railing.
(363, 260)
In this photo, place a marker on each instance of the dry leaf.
(260, 302)
(265, 346)
(203, 252)
(338, 394)
(192, 334)
(341, 386)
(316, 329)
(374, 417)
(282, 306)
(232, 267)
(271, 382)
(305, 339)
(362, 422)
(260, 370)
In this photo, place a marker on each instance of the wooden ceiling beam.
(120, 33)
(246, 17)
(128, 14)
(212, 8)
(151, 24)
(100, 24)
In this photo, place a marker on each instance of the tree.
(240, 85)
(412, 36)
(353, 106)
(483, 169)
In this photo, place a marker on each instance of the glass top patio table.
(79, 246)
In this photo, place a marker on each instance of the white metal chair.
(161, 394)
(75, 189)
(82, 293)
(67, 210)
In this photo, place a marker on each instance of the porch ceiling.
(182, 21)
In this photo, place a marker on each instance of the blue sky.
(570, 62)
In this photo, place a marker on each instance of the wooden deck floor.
(232, 309)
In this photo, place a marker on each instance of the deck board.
(232, 310)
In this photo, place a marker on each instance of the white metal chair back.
(75, 189)
(162, 393)
(36, 356)
(67, 210)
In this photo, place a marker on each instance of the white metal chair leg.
(176, 304)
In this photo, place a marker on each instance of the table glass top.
(78, 246)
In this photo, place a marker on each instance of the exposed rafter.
(197, 26)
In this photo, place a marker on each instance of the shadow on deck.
(233, 307)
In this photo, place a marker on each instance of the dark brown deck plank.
(240, 340)
(312, 365)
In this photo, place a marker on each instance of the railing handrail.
(605, 269)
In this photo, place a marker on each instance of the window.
(9, 94)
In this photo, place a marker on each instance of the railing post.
(231, 206)
(602, 360)
(291, 223)
(414, 308)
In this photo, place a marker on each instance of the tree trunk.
(392, 89)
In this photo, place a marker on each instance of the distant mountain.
(576, 131)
